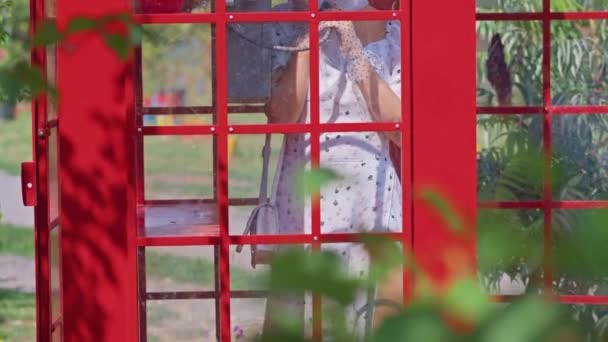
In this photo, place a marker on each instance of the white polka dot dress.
(367, 196)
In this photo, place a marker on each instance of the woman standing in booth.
(359, 81)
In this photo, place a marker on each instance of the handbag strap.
(263, 193)
(266, 150)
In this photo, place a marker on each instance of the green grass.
(175, 167)
(16, 241)
(15, 143)
(197, 271)
(17, 316)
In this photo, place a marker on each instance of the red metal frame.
(548, 110)
(101, 164)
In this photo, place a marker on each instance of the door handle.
(28, 184)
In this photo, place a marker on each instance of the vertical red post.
(97, 190)
(443, 129)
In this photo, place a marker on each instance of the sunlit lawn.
(15, 143)
(175, 166)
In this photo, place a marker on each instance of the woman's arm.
(382, 102)
(288, 98)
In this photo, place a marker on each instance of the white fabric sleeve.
(394, 39)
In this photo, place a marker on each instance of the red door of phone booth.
(154, 197)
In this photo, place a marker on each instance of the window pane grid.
(221, 131)
(548, 113)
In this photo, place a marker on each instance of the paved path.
(11, 206)
(17, 273)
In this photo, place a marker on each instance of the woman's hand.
(358, 66)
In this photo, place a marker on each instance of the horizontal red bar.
(306, 128)
(580, 205)
(304, 239)
(510, 110)
(564, 299)
(232, 201)
(161, 241)
(176, 18)
(182, 18)
(509, 16)
(511, 205)
(259, 17)
(588, 15)
(185, 295)
(200, 110)
(541, 205)
(271, 128)
(279, 239)
(178, 130)
(583, 299)
(359, 15)
(579, 109)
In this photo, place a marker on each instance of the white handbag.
(264, 219)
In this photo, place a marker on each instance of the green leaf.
(119, 44)
(467, 300)
(418, 324)
(437, 201)
(82, 24)
(386, 256)
(322, 273)
(527, 320)
(310, 181)
(135, 34)
(47, 34)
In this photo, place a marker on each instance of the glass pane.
(509, 157)
(358, 5)
(50, 8)
(290, 208)
(592, 321)
(509, 63)
(55, 263)
(180, 218)
(246, 162)
(343, 99)
(247, 317)
(53, 169)
(578, 5)
(578, 62)
(175, 269)
(177, 65)
(579, 251)
(509, 5)
(580, 149)
(178, 167)
(51, 78)
(366, 195)
(177, 120)
(510, 250)
(181, 320)
(248, 118)
(172, 6)
(260, 71)
(369, 305)
(245, 277)
(58, 334)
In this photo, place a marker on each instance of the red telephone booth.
(121, 204)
